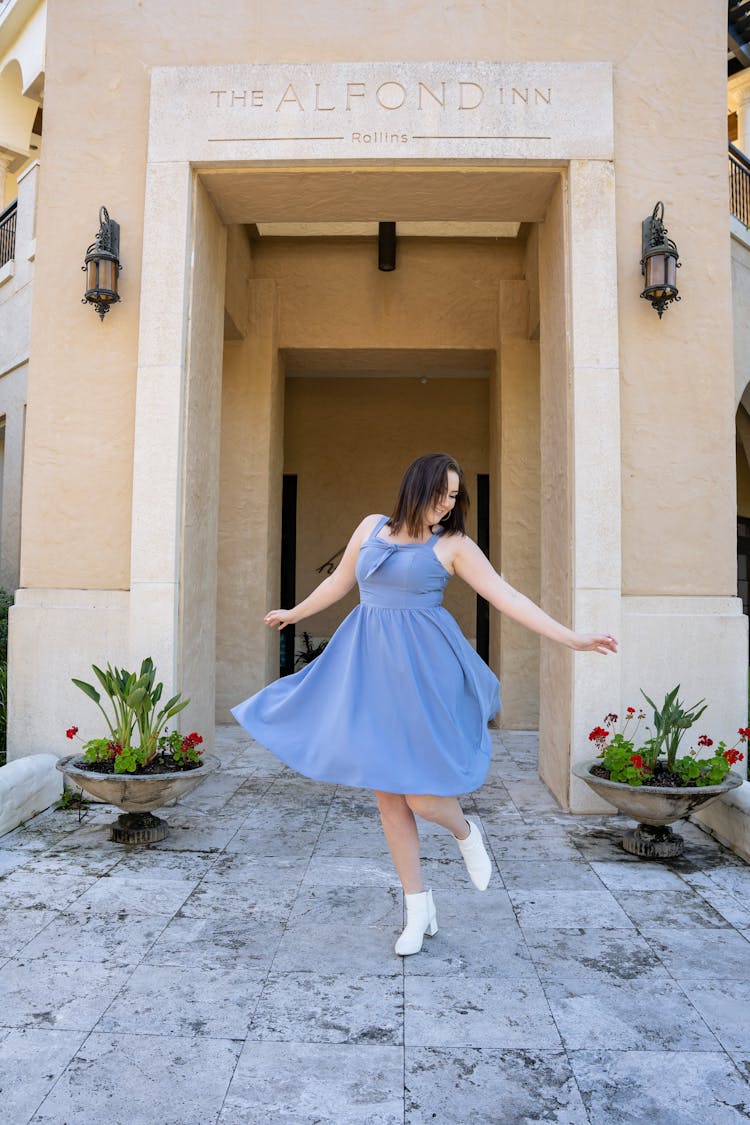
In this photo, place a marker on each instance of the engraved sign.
(382, 111)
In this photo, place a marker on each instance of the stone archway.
(189, 198)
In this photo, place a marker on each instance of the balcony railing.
(739, 184)
(8, 233)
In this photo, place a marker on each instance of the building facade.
(262, 384)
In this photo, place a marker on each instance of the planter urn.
(655, 807)
(137, 795)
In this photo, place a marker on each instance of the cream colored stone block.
(53, 636)
(157, 474)
(166, 265)
(593, 264)
(27, 787)
(397, 110)
(596, 472)
(596, 686)
(153, 629)
(729, 820)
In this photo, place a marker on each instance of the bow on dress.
(385, 552)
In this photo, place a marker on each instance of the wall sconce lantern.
(102, 266)
(659, 262)
(386, 247)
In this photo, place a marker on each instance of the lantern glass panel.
(107, 276)
(656, 269)
(92, 275)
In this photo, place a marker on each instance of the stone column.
(516, 514)
(176, 447)
(580, 442)
(250, 506)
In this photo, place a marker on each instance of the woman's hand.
(279, 618)
(593, 642)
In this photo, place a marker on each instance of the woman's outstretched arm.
(331, 589)
(473, 566)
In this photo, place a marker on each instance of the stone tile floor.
(243, 971)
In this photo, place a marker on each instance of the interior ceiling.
(343, 195)
(411, 363)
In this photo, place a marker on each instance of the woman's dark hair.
(425, 483)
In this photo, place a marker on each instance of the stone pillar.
(176, 448)
(580, 442)
(250, 504)
(517, 512)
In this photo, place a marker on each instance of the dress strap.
(378, 526)
(434, 537)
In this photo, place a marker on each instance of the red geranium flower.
(71, 732)
(744, 732)
(631, 710)
(732, 756)
(637, 761)
(598, 734)
(704, 740)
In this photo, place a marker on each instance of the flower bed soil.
(661, 777)
(158, 765)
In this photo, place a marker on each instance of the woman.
(398, 701)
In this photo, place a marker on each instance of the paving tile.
(31, 1061)
(588, 952)
(568, 908)
(150, 863)
(175, 1081)
(10, 860)
(548, 874)
(341, 1083)
(305, 1007)
(349, 949)
(120, 939)
(665, 1087)
(511, 841)
(348, 871)
(113, 894)
(236, 869)
(29, 888)
(700, 954)
(486, 1086)
(734, 880)
(82, 863)
(626, 1015)
(725, 1006)
(497, 950)
(641, 876)
(649, 909)
(477, 1012)
(189, 1000)
(19, 927)
(369, 906)
(239, 901)
(59, 994)
(218, 941)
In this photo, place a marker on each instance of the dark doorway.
(743, 562)
(483, 541)
(288, 568)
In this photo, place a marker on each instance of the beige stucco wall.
(75, 474)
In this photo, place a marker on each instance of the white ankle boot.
(478, 863)
(420, 920)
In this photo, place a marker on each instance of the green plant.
(134, 701)
(310, 651)
(72, 799)
(655, 760)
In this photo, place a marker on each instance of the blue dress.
(398, 700)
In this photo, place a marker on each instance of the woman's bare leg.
(440, 810)
(400, 830)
